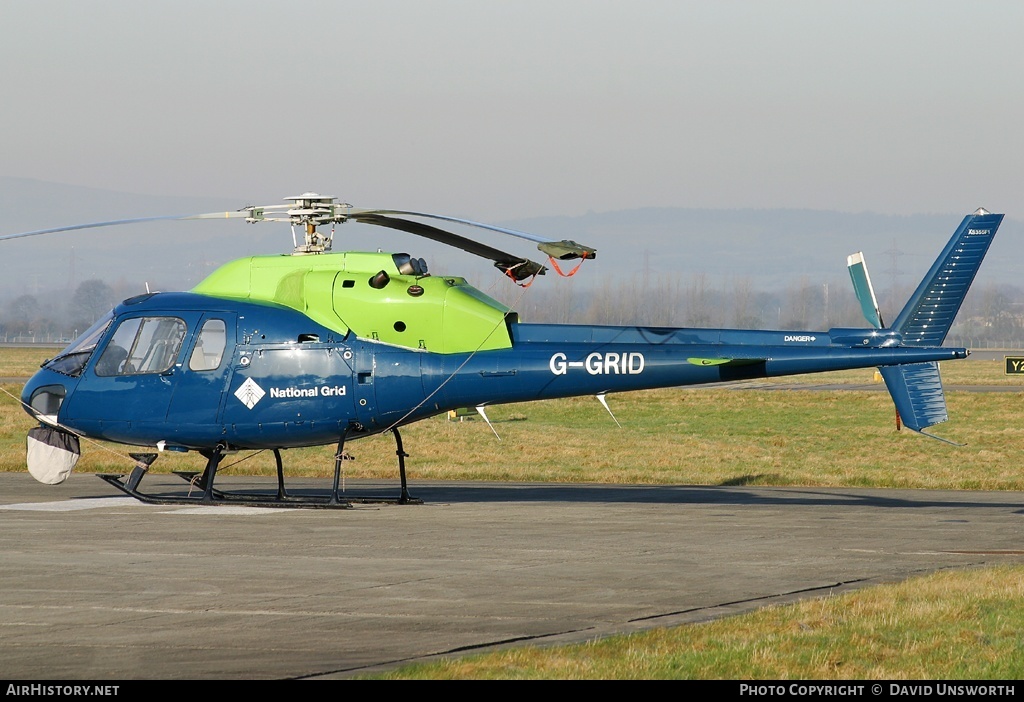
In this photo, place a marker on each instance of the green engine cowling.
(379, 296)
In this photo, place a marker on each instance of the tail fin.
(928, 315)
(916, 388)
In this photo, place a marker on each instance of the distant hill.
(768, 249)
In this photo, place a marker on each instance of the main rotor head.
(309, 210)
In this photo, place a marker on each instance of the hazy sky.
(499, 109)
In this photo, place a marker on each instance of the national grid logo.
(250, 392)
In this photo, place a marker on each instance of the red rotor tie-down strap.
(512, 277)
(554, 264)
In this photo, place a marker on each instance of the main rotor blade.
(565, 249)
(518, 267)
(326, 211)
(358, 212)
(116, 222)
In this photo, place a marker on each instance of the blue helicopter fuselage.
(316, 348)
(278, 379)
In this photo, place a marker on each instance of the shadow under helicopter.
(363, 493)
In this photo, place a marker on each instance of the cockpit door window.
(209, 348)
(142, 345)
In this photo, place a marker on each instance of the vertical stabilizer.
(929, 313)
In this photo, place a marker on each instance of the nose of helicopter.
(44, 394)
(51, 451)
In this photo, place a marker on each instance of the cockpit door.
(202, 379)
(127, 386)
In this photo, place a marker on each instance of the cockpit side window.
(209, 348)
(142, 345)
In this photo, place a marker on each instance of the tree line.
(990, 312)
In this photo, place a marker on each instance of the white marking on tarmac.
(100, 502)
(76, 505)
(231, 511)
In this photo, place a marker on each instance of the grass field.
(953, 625)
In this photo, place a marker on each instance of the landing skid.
(208, 495)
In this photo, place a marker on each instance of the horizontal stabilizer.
(916, 390)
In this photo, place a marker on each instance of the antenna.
(480, 409)
(603, 401)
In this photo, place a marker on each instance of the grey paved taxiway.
(95, 585)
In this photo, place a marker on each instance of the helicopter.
(316, 348)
